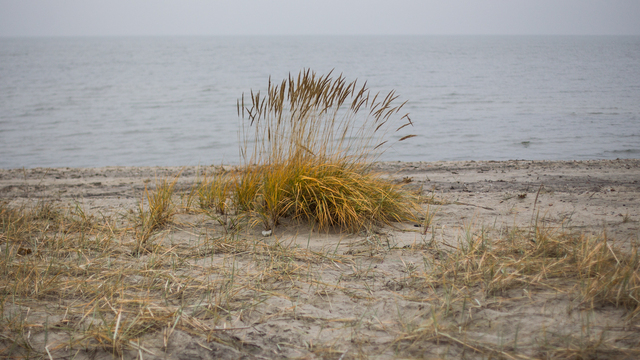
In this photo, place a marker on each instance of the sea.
(172, 101)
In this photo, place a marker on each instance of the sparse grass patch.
(160, 210)
(21, 224)
(71, 268)
(607, 275)
(429, 214)
(586, 269)
(214, 193)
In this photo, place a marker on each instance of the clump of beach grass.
(214, 192)
(159, 211)
(308, 146)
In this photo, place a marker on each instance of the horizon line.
(304, 35)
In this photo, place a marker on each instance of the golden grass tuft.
(308, 148)
(214, 192)
(159, 212)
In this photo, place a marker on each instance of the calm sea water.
(86, 102)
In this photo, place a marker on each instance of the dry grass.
(308, 146)
(587, 270)
(158, 213)
(52, 264)
(214, 193)
(110, 297)
(69, 285)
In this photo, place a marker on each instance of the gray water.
(87, 102)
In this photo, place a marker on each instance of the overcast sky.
(317, 17)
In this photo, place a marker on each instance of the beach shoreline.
(592, 193)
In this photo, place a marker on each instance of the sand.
(357, 300)
(588, 195)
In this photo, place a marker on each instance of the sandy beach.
(590, 195)
(300, 293)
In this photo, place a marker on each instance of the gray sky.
(311, 17)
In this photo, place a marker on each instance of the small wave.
(77, 134)
(97, 88)
(625, 151)
(602, 113)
